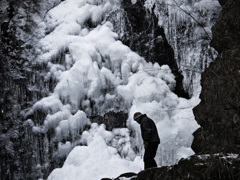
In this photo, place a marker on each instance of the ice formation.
(95, 74)
(187, 25)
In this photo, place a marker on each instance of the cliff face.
(218, 113)
(21, 86)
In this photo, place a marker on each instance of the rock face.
(21, 86)
(218, 113)
(196, 167)
(111, 119)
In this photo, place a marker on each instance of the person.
(150, 138)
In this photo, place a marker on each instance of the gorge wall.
(21, 86)
(218, 113)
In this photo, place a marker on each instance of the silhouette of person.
(150, 138)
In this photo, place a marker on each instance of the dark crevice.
(143, 35)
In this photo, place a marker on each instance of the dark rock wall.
(21, 85)
(111, 120)
(202, 167)
(219, 111)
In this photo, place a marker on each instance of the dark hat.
(137, 115)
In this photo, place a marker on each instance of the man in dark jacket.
(150, 138)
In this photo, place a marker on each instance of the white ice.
(98, 67)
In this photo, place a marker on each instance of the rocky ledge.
(205, 166)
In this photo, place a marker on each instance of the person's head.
(137, 116)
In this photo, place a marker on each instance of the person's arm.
(146, 132)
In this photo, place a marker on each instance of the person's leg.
(149, 155)
(148, 158)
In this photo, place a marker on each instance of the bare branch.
(193, 19)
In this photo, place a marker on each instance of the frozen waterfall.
(96, 73)
(187, 25)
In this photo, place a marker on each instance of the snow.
(95, 161)
(99, 68)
